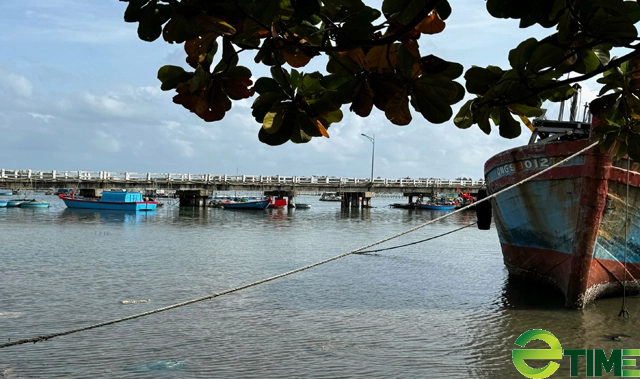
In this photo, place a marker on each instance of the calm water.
(444, 308)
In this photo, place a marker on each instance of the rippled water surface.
(443, 308)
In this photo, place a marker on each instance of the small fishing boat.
(3, 203)
(302, 206)
(245, 204)
(111, 200)
(439, 207)
(16, 202)
(34, 204)
(5, 192)
(405, 205)
(330, 196)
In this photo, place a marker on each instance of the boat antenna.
(575, 101)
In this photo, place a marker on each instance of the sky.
(79, 91)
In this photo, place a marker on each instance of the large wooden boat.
(111, 200)
(567, 226)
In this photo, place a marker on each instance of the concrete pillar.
(355, 200)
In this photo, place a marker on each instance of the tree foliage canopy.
(373, 59)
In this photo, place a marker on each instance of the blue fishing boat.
(111, 200)
(5, 192)
(34, 204)
(248, 204)
(3, 203)
(16, 202)
(438, 207)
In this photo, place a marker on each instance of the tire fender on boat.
(483, 211)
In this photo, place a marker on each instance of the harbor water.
(442, 308)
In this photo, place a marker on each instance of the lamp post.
(373, 151)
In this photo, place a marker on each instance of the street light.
(373, 151)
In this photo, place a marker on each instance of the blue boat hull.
(3, 203)
(112, 206)
(260, 204)
(6, 193)
(38, 204)
(438, 207)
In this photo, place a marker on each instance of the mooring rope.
(416, 242)
(623, 309)
(269, 279)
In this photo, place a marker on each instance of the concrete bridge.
(194, 189)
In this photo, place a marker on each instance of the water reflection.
(519, 293)
(103, 216)
(363, 214)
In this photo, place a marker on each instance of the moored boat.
(247, 204)
(3, 203)
(330, 196)
(34, 204)
(111, 200)
(405, 205)
(302, 206)
(567, 226)
(16, 202)
(438, 207)
(5, 192)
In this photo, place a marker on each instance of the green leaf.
(172, 77)
(603, 52)
(272, 121)
(479, 80)
(282, 135)
(509, 128)
(229, 56)
(200, 79)
(519, 56)
(265, 85)
(406, 61)
(558, 94)
(282, 77)
(133, 13)
(444, 9)
(265, 103)
(430, 96)
(150, 25)
(544, 56)
(464, 118)
(180, 29)
(526, 110)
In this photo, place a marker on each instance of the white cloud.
(16, 84)
(106, 142)
(43, 117)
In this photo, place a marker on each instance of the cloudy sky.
(78, 91)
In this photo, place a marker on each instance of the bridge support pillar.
(193, 198)
(419, 195)
(352, 199)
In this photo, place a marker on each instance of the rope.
(236, 289)
(416, 242)
(623, 309)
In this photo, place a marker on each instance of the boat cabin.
(121, 196)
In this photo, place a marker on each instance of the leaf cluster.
(374, 59)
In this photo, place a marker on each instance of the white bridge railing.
(148, 177)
